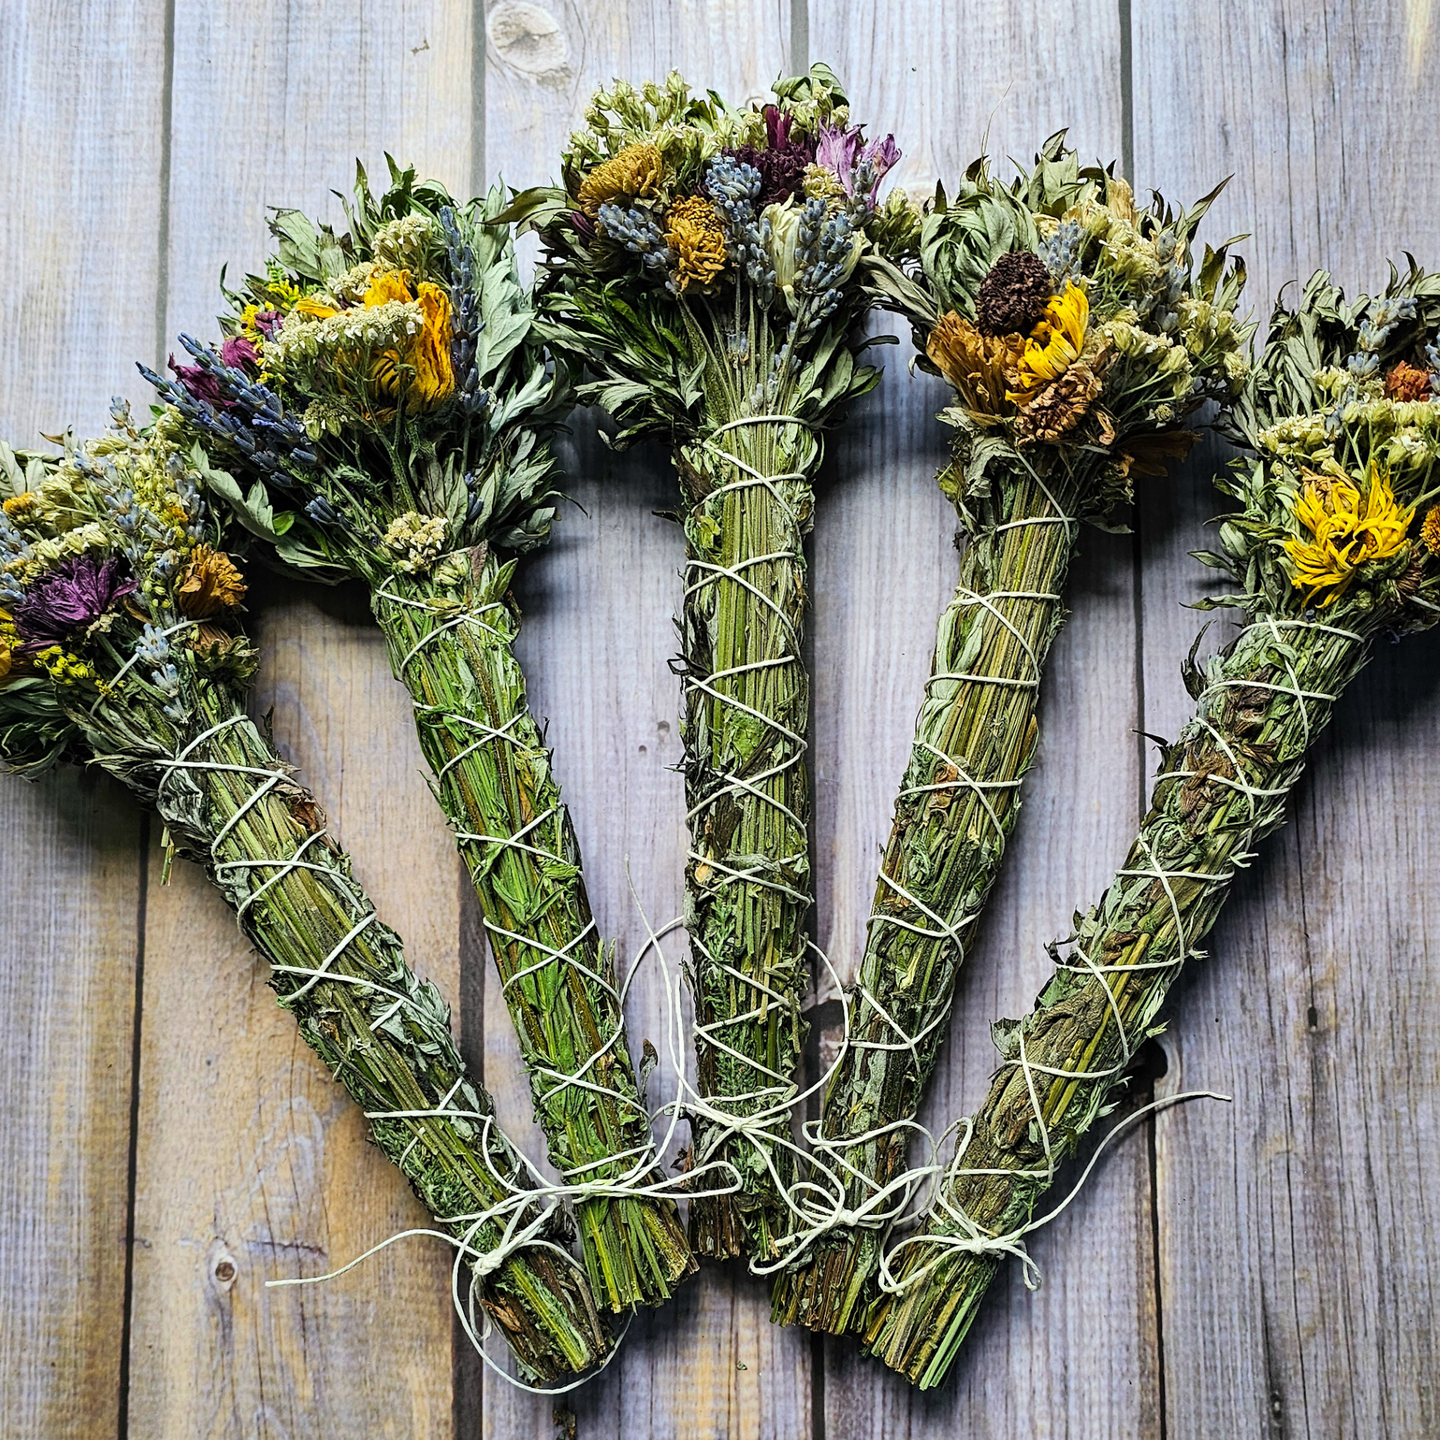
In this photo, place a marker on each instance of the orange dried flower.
(1407, 382)
(693, 229)
(1430, 530)
(211, 584)
(983, 368)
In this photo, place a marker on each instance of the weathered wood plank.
(1298, 1290)
(255, 1166)
(884, 567)
(81, 102)
(598, 632)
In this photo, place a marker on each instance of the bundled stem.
(746, 708)
(1222, 787)
(975, 738)
(381, 1031)
(455, 653)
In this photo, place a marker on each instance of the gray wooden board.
(1297, 1226)
(1269, 1272)
(79, 239)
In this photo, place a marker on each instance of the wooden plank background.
(1260, 1269)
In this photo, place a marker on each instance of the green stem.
(494, 781)
(380, 1030)
(746, 716)
(1222, 787)
(974, 739)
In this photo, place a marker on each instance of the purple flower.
(884, 155)
(69, 598)
(838, 150)
(267, 321)
(778, 124)
(583, 223)
(238, 352)
(201, 384)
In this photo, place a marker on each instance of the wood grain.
(885, 565)
(598, 634)
(1295, 1300)
(79, 239)
(251, 1163)
(1295, 1287)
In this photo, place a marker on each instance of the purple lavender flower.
(69, 598)
(238, 352)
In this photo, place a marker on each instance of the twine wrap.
(745, 702)
(492, 777)
(1221, 788)
(381, 1031)
(975, 737)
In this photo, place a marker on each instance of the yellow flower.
(211, 584)
(634, 173)
(693, 229)
(1055, 343)
(980, 367)
(1430, 530)
(425, 354)
(1347, 531)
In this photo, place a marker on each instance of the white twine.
(760, 1116)
(823, 1208)
(969, 1236)
(518, 1232)
(527, 841)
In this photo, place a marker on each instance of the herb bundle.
(1334, 545)
(710, 267)
(384, 396)
(120, 645)
(1079, 334)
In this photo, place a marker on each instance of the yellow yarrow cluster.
(1347, 530)
(66, 669)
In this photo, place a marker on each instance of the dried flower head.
(697, 240)
(1347, 530)
(981, 368)
(1407, 382)
(415, 541)
(633, 174)
(1057, 409)
(427, 356)
(69, 599)
(1430, 530)
(21, 509)
(1013, 295)
(1055, 344)
(211, 583)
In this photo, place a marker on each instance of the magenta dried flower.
(238, 352)
(200, 384)
(70, 598)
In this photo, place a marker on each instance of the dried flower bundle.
(1054, 297)
(1336, 543)
(120, 645)
(383, 396)
(709, 266)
